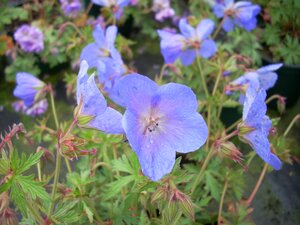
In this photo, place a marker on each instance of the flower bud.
(281, 103)
(229, 150)
(184, 202)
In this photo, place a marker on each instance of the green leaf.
(32, 187)
(4, 166)
(26, 163)
(115, 187)
(213, 185)
(88, 212)
(65, 213)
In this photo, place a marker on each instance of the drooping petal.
(94, 102)
(81, 78)
(254, 106)
(208, 48)
(28, 79)
(187, 30)
(134, 91)
(101, 2)
(26, 94)
(258, 139)
(228, 24)
(155, 156)
(109, 122)
(187, 57)
(205, 28)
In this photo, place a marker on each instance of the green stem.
(202, 170)
(202, 76)
(232, 126)
(272, 98)
(217, 81)
(258, 183)
(218, 28)
(222, 202)
(55, 182)
(297, 117)
(161, 74)
(54, 109)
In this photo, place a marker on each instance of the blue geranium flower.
(258, 125)
(93, 105)
(29, 88)
(158, 121)
(264, 78)
(102, 48)
(115, 5)
(189, 43)
(242, 13)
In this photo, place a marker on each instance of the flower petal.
(205, 28)
(254, 106)
(187, 30)
(91, 53)
(187, 57)
(228, 24)
(99, 36)
(135, 91)
(110, 35)
(109, 122)
(174, 97)
(156, 158)
(270, 68)
(94, 102)
(208, 48)
(81, 78)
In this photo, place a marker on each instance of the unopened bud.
(8, 217)
(160, 194)
(184, 202)
(281, 103)
(229, 150)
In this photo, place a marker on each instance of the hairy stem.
(218, 28)
(258, 183)
(202, 76)
(297, 117)
(222, 202)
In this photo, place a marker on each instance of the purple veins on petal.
(159, 121)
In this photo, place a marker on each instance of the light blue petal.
(81, 78)
(109, 122)
(187, 57)
(92, 54)
(267, 80)
(208, 48)
(228, 24)
(254, 106)
(135, 91)
(101, 2)
(94, 102)
(270, 68)
(218, 10)
(155, 155)
(28, 79)
(110, 35)
(205, 28)
(173, 97)
(187, 30)
(99, 36)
